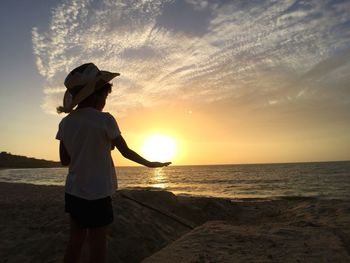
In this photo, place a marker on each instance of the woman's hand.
(157, 164)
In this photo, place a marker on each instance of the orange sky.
(230, 81)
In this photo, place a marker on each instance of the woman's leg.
(97, 238)
(76, 242)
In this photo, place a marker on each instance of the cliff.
(8, 160)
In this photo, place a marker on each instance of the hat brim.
(103, 78)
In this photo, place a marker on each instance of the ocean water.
(329, 180)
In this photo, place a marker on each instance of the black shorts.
(89, 213)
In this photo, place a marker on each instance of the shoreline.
(34, 227)
(233, 199)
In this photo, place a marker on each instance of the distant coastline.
(8, 160)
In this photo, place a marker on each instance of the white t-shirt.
(87, 134)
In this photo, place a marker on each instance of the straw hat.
(81, 82)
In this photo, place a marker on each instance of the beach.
(157, 226)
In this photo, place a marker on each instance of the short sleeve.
(112, 129)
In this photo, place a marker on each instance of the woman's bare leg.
(76, 242)
(97, 238)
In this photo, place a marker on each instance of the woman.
(87, 135)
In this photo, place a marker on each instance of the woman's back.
(87, 134)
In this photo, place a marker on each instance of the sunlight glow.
(159, 180)
(159, 147)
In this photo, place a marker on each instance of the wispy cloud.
(198, 50)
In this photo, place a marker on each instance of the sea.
(328, 180)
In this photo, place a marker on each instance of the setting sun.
(158, 147)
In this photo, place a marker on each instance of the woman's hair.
(105, 89)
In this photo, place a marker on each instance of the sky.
(229, 81)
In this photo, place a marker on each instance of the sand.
(34, 228)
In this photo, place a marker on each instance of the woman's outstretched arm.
(123, 148)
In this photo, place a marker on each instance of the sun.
(158, 147)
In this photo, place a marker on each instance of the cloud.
(328, 65)
(208, 51)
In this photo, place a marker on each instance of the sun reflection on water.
(159, 179)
